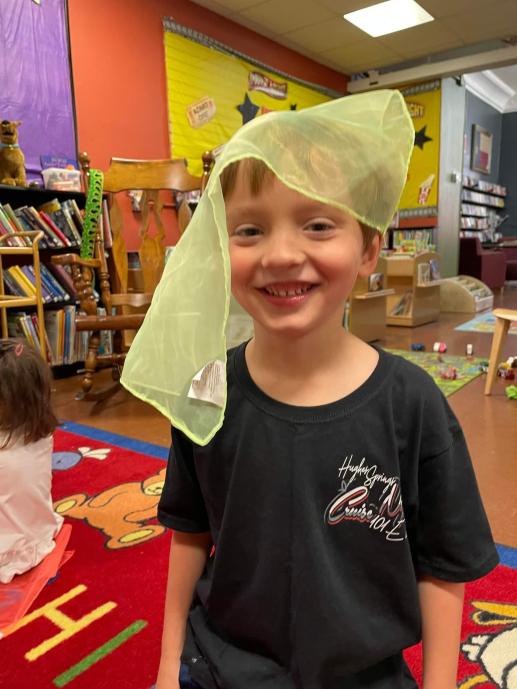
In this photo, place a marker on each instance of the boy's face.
(294, 260)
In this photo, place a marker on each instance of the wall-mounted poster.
(420, 195)
(212, 91)
(481, 157)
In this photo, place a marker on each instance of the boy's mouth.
(287, 289)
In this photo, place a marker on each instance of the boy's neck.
(296, 357)
(312, 370)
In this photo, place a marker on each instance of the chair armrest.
(135, 299)
(75, 260)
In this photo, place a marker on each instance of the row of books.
(63, 343)
(56, 283)
(474, 223)
(477, 197)
(478, 211)
(61, 224)
(481, 185)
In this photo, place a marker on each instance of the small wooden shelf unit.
(402, 276)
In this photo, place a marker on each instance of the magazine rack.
(8, 301)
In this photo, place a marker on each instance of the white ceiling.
(497, 87)
(316, 28)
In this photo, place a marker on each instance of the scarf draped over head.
(352, 153)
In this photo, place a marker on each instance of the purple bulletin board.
(35, 78)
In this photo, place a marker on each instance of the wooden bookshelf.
(421, 299)
(367, 311)
(8, 301)
(39, 256)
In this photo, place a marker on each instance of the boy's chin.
(291, 329)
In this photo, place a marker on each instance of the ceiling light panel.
(388, 17)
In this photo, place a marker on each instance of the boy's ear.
(370, 256)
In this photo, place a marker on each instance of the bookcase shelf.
(9, 301)
(366, 314)
(481, 205)
(44, 314)
(415, 300)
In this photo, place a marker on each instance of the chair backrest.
(150, 177)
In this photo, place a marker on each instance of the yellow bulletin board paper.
(421, 191)
(212, 91)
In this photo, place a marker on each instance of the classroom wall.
(452, 126)
(479, 112)
(508, 171)
(119, 75)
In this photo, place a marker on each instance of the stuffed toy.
(12, 160)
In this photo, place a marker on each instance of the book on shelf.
(404, 305)
(76, 216)
(8, 227)
(435, 269)
(64, 276)
(61, 228)
(64, 344)
(20, 281)
(376, 282)
(424, 273)
(11, 286)
(60, 216)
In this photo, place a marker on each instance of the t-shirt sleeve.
(453, 537)
(181, 505)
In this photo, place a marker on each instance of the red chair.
(484, 264)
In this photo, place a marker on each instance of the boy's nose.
(282, 250)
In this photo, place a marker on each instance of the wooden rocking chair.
(125, 309)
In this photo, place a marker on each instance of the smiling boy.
(336, 489)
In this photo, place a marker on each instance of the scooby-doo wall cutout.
(12, 160)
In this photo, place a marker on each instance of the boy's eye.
(249, 231)
(319, 227)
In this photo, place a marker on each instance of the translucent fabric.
(352, 153)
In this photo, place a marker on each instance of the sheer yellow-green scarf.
(352, 153)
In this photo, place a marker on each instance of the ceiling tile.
(481, 25)
(281, 17)
(426, 38)
(214, 7)
(447, 8)
(341, 7)
(325, 35)
(230, 5)
(365, 55)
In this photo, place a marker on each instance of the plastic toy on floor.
(505, 371)
(449, 373)
(511, 392)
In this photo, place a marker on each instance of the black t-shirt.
(323, 518)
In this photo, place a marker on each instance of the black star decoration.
(421, 138)
(247, 109)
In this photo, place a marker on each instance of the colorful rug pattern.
(98, 622)
(484, 323)
(434, 364)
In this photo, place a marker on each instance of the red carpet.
(97, 624)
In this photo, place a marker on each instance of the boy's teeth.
(287, 293)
